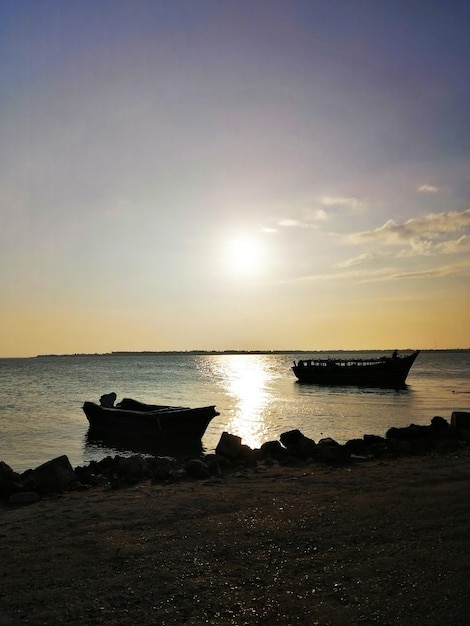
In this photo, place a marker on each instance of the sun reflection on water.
(247, 380)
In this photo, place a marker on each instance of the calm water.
(257, 396)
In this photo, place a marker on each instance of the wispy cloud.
(289, 223)
(366, 275)
(427, 235)
(311, 218)
(462, 244)
(320, 215)
(349, 202)
(461, 269)
(428, 189)
(363, 275)
(361, 259)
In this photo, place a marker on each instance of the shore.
(370, 542)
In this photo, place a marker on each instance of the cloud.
(428, 189)
(289, 223)
(320, 215)
(436, 272)
(350, 203)
(386, 274)
(462, 244)
(358, 260)
(310, 219)
(359, 275)
(427, 235)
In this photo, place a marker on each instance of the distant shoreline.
(232, 352)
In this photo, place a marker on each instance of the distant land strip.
(234, 352)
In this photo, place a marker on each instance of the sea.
(256, 395)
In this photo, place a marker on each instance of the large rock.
(213, 463)
(298, 445)
(10, 481)
(370, 446)
(195, 468)
(413, 432)
(247, 457)
(330, 451)
(273, 450)
(291, 437)
(54, 476)
(374, 440)
(357, 447)
(439, 424)
(229, 446)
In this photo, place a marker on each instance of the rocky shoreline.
(295, 533)
(231, 455)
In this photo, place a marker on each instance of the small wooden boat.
(160, 422)
(385, 371)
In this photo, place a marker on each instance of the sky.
(234, 174)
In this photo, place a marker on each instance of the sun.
(245, 256)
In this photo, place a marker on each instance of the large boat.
(137, 419)
(386, 371)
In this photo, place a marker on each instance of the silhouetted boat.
(375, 372)
(156, 421)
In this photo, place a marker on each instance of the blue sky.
(232, 174)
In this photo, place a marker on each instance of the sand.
(373, 542)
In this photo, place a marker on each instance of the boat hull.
(161, 424)
(385, 372)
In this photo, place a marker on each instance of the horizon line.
(234, 352)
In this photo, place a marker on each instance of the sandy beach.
(371, 542)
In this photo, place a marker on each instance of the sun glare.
(245, 256)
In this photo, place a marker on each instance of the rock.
(334, 454)
(85, 475)
(328, 441)
(411, 432)
(357, 446)
(373, 440)
(438, 423)
(413, 439)
(213, 463)
(10, 481)
(273, 450)
(247, 456)
(376, 445)
(330, 451)
(306, 448)
(224, 463)
(291, 437)
(104, 466)
(132, 468)
(178, 474)
(54, 476)
(195, 468)
(229, 446)
(460, 419)
(298, 445)
(160, 472)
(418, 439)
